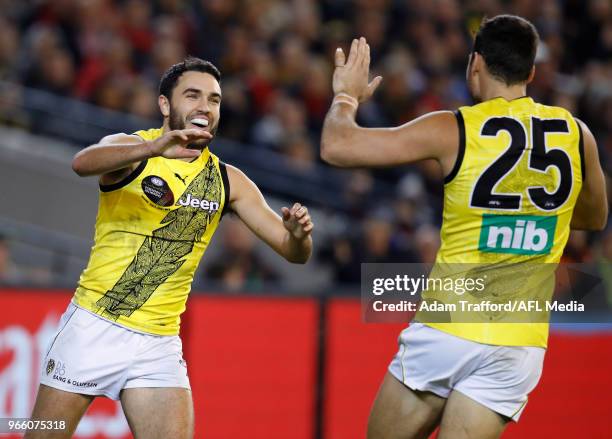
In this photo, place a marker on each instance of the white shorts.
(94, 356)
(498, 377)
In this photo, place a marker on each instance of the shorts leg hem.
(58, 386)
(412, 385)
(513, 416)
(156, 385)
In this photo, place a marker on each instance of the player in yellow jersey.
(162, 195)
(518, 176)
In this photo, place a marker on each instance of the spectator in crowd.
(376, 242)
(13, 274)
(239, 267)
(9, 49)
(9, 272)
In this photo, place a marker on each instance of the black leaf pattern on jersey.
(163, 253)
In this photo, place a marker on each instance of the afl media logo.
(50, 365)
(157, 190)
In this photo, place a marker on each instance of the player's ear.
(477, 62)
(471, 68)
(164, 105)
(531, 75)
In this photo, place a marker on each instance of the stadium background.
(274, 351)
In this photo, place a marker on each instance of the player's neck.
(495, 89)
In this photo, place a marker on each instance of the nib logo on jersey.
(517, 234)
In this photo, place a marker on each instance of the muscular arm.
(112, 158)
(346, 144)
(591, 210)
(116, 156)
(249, 204)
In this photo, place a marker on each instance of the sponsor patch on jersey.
(517, 234)
(50, 365)
(190, 201)
(157, 190)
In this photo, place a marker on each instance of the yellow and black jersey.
(510, 199)
(151, 231)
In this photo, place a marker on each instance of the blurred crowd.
(276, 59)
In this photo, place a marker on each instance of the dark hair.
(508, 44)
(191, 63)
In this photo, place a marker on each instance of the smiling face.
(195, 102)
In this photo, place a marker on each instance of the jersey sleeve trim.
(581, 149)
(127, 180)
(461, 152)
(226, 187)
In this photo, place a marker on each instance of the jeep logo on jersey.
(517, 234)
(157, 190)
(190, 201)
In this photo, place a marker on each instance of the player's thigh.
(400, 412)
(465, 418)
(158, 412)
(58, 405)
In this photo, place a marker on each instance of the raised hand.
(297, 221)
(351, 76)
(174, 144)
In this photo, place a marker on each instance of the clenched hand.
(297, 221)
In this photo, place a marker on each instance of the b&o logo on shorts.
(50, 365)
(157, 190)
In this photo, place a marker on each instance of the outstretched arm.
(346, 144)
(289, 236)
(591, 210)
(116, 156)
